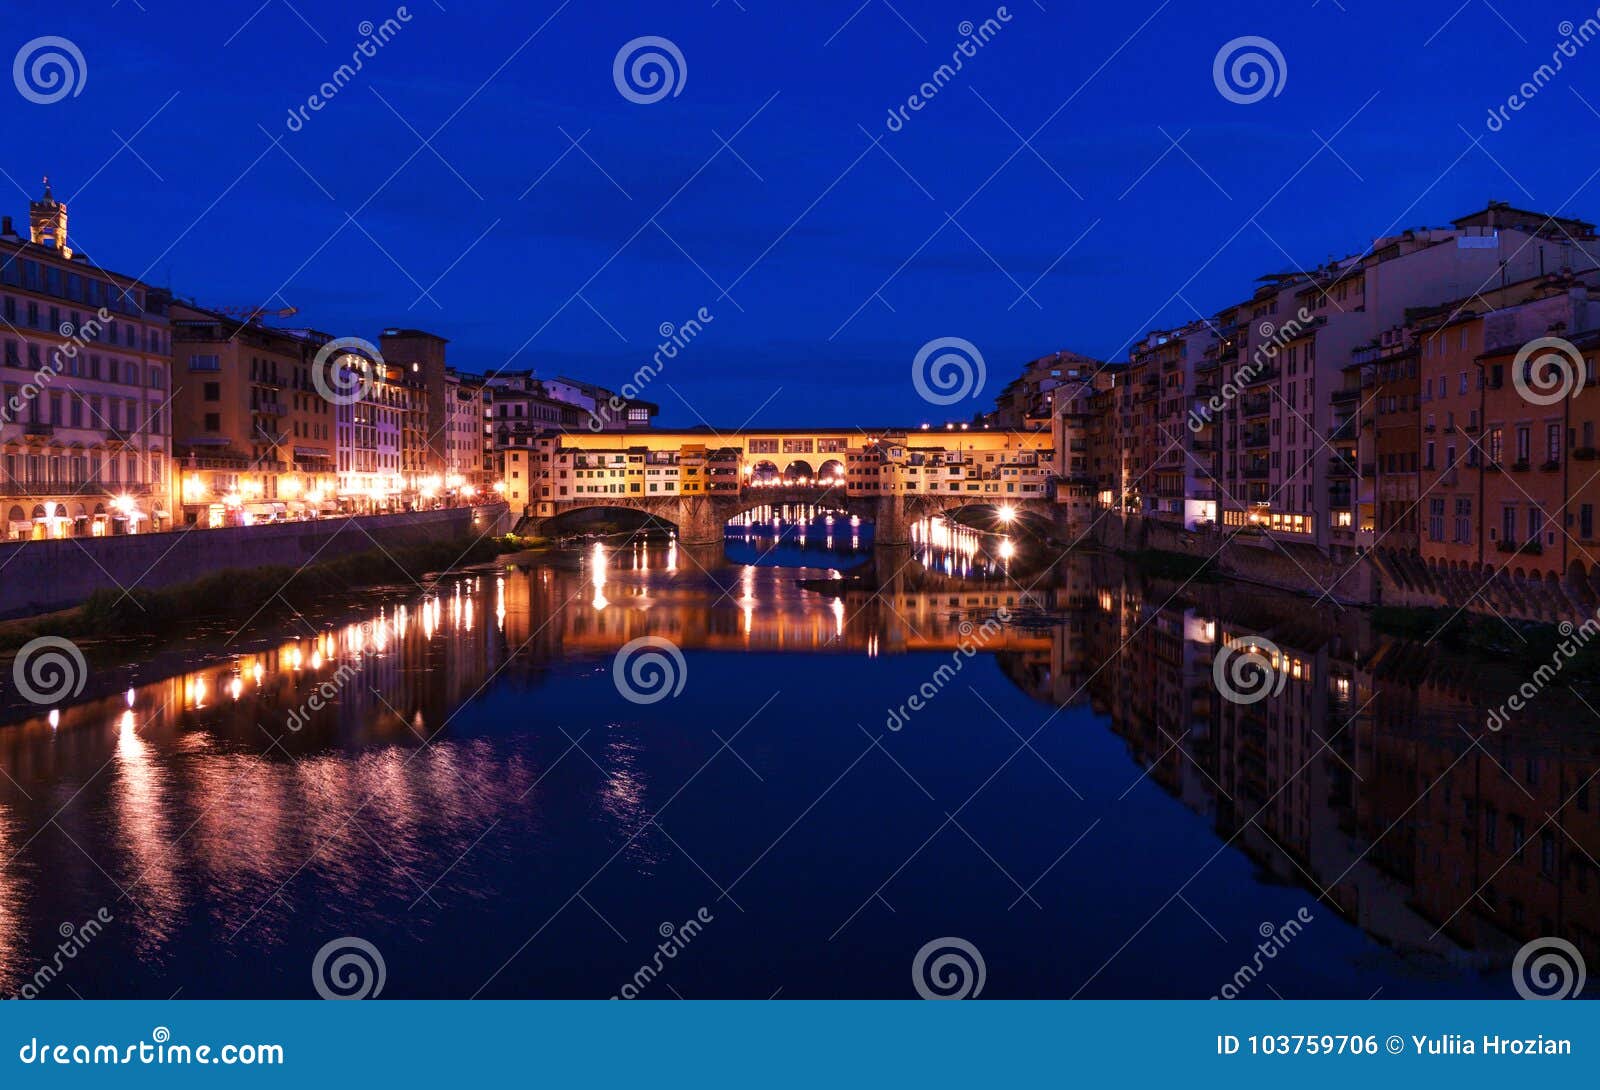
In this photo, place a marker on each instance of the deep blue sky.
(230, 230)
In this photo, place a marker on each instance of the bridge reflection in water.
(1366, 783)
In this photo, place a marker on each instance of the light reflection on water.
(445, 770)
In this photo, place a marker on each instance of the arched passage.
(764, 473)
(799, 472)
(830, 472)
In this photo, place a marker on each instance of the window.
(1495, 445)
(213, 421)
(1436, 520)
(1463, 521)
(1552, 445)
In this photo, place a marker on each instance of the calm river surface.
(455, 777)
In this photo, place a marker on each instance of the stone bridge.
(702, 519)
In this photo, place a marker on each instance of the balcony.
(1345, 396)
(1255, 437)
(1255, 473)
(38, 429)
(1258, 405)
(1347, 430)
(1254, 378)
(1338, 468)
(1527, 548)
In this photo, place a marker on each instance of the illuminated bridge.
(698, 479)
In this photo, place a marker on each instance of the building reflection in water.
(1367, 780)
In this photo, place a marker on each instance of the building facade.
(85, 427)
(253, 439)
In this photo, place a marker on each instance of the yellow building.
(253, 438)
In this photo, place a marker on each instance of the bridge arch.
(765, 472)
(799, 471)
(830, 472)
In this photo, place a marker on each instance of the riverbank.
(48, 576)
(263, 595)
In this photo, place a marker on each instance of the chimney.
(6, 228)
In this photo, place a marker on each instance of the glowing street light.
(1007, 514)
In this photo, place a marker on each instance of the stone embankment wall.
(1381, 577)
(41, 576)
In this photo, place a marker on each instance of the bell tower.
(47, 222)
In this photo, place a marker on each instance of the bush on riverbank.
(267, 592)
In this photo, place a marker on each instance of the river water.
(825, 786)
